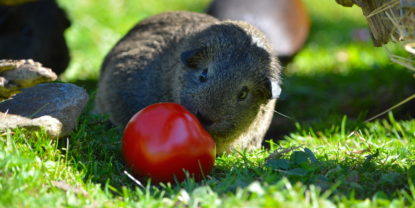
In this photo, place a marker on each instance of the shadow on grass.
(95, 149)
(90, 85)
(321, 100)
(355, 175)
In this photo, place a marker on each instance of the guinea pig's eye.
(203, 76)
(243, 93)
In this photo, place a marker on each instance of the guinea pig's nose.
(205, 121)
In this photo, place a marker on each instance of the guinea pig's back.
(131, 72)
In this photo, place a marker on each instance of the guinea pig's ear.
(273, 88)
(193, 58)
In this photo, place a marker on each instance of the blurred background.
(338, 72)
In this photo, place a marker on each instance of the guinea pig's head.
(35, 30)
(229, 76)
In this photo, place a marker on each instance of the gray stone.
(10, 121)
(18, 74)
(53, 106)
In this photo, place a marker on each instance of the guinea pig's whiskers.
(283, 115)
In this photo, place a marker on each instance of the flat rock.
(53, 106)
(52, 125)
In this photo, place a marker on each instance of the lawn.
(324, 155)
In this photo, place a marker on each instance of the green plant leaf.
(310, 155)
(299, 157)
(389, 178)
(283, 164)
(297, 172)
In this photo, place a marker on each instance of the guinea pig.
(221, 71)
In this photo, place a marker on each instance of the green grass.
(371, 167)
(325, 156)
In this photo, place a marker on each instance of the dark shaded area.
(90, 85)
(321, 100)
(35, 30)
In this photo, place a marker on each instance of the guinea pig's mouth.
(204, 120)
(220, 130)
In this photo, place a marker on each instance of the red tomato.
(163, 139)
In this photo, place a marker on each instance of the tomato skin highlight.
(163, 139)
